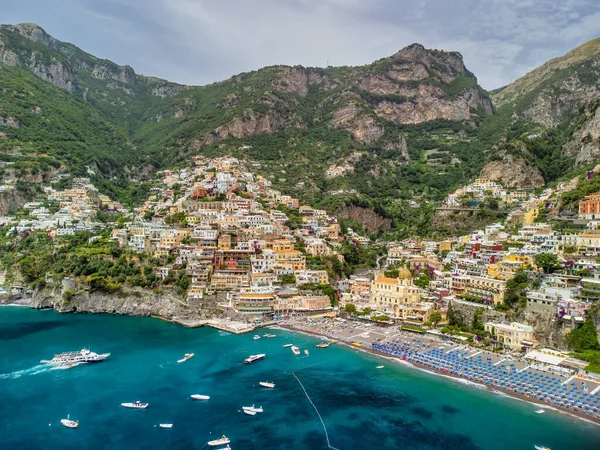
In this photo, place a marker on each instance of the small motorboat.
(267, 335)
(540, 411)
(256, 337)
(186, 357)
(69, 423)
(249, 412)
(306, 352)
(267, 384)
(287, 345)
(323, 345)
(135, 405)
(224, 440)
(166, 425)
(541, 447)
(253, 409)
(380, 366)
(200, 397)
(295, 350)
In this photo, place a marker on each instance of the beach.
(376, 340)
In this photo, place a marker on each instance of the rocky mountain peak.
(35, 33)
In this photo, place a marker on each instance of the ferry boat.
(135, 405)
(74, 358)
(323, 345)
(200, 397)
(69, 423)
(267, 384)
(224, 440)
(250, 359)
(296, 350)
(287, 345)
(186, 357)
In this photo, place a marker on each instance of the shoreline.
(462, 380)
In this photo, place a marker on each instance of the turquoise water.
(363, 408)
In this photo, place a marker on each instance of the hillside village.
(228, 234)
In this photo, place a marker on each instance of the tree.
(435, 318)
(584, 337)
(350, 308)
(548, 262)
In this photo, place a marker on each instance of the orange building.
(589, 207)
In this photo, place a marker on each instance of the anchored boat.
(267, 384)
(186, 357)
(200, 397)
(253, 358)
(69, 423)
(224, 440)
(295, 350)
(135, 405)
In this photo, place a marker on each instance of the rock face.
(554, 91)
(123, 74)
(367, 217)
(358, 122)
(10, 201)
(584, 145)
(512, 171)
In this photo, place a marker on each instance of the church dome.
(404, 274)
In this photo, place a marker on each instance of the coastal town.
(516, 287)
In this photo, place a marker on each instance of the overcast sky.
(201, 41)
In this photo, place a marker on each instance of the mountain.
(357, 140)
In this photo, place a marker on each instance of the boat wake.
(40, 368)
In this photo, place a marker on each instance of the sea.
(331, 398)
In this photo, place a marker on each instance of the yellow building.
(445, 246)
(392, 293)
(514, 335)
(530, 215)
(506, 269)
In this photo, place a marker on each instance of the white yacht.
(135, 405)
(253, 409)
(306, 352)
(295, 350)
(287, 345)
(69, 423)
(224, 440)
(200, 397)
(252, 358)
(267, 384)
(166, 425)
(267, 335)
(75, 358)
(256, 337)
(249, 412)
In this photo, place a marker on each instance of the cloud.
(201, 41)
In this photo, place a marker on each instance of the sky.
(202, 41)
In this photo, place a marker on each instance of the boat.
(267, 335)
(356, 344)
(186, 357)
(224, 440)
(69, 423)
(74, 358)
(166, 425)
(380, 366)
(252, 358)
(253, 409)
(540, 411)
(135, 405)
(267, 384)
(200, 397)
(249, 412)
(306, 352)
(323, 345)
(541, 447)
(295, 350)
(287, 345)
(256, 337)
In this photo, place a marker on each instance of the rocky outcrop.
(55, 73)
(457, 222)
(362, 125)
(400, 146)
(9, 121)
(137, 302)
(7, 56)
(367, 217)
(123, 74)
(248, 124)
(10, 201)
(512, 171)
(584, 144)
